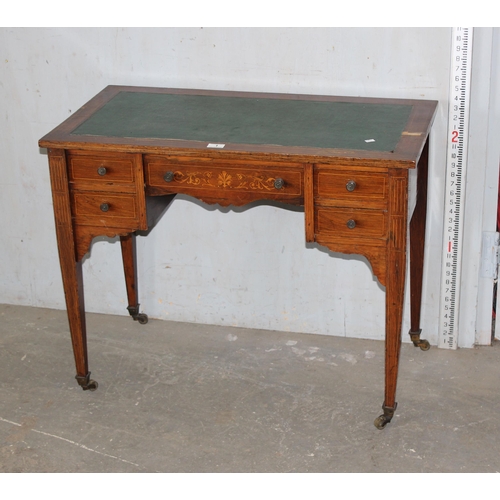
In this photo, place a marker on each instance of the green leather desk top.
(240, 120)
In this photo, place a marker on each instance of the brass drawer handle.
(279, 183)
(101, 170)
(104, 207)
(168, 177)
(351, 224)
(350, 186)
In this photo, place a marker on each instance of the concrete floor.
(176, 397)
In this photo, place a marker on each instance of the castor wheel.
(418, 342)
(91, 386)
(86, 383)
(381, 422)
(424, 345)
(142, 318)
(136, 315)
(386, 417)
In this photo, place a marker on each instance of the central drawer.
(224, 179)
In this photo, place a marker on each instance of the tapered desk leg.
(395, 285)
(71, 269)
(417, 243)
(393, 310)
(128, 245)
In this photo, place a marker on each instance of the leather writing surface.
(240, 120)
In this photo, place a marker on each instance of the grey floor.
(176, 397)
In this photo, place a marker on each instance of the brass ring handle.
(168, 177)
(350, 186)
(104, 207)
(279, 183)
(351, 224)
(101, 170)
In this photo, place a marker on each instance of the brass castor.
(424, 345)
(86, 383)
(418, 342)
(142, 318)
(91, 386)
(136, 315)
(381, 422)
(386, 417)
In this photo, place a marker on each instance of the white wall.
(200, 264)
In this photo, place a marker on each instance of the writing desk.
(358, 166)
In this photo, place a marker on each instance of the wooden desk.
(352, 163)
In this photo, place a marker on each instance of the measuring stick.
(456, 163)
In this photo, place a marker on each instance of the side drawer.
(347, 223)
(105, 209)
(350, 188)
(103, 171)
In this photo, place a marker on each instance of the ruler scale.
(456, 163)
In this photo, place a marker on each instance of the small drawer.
(101, 170)
(105, 209)
(261, 181)
(351, 188)
(351, 223)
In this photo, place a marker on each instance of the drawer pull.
(168, 177)
(279, 183)
(101, 170)
(104, 207)
(351, 223)
(350, 186)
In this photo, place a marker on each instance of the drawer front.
(351, 188)
(224, 179)
(345, 222)
(101, 170)
(113, 210)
